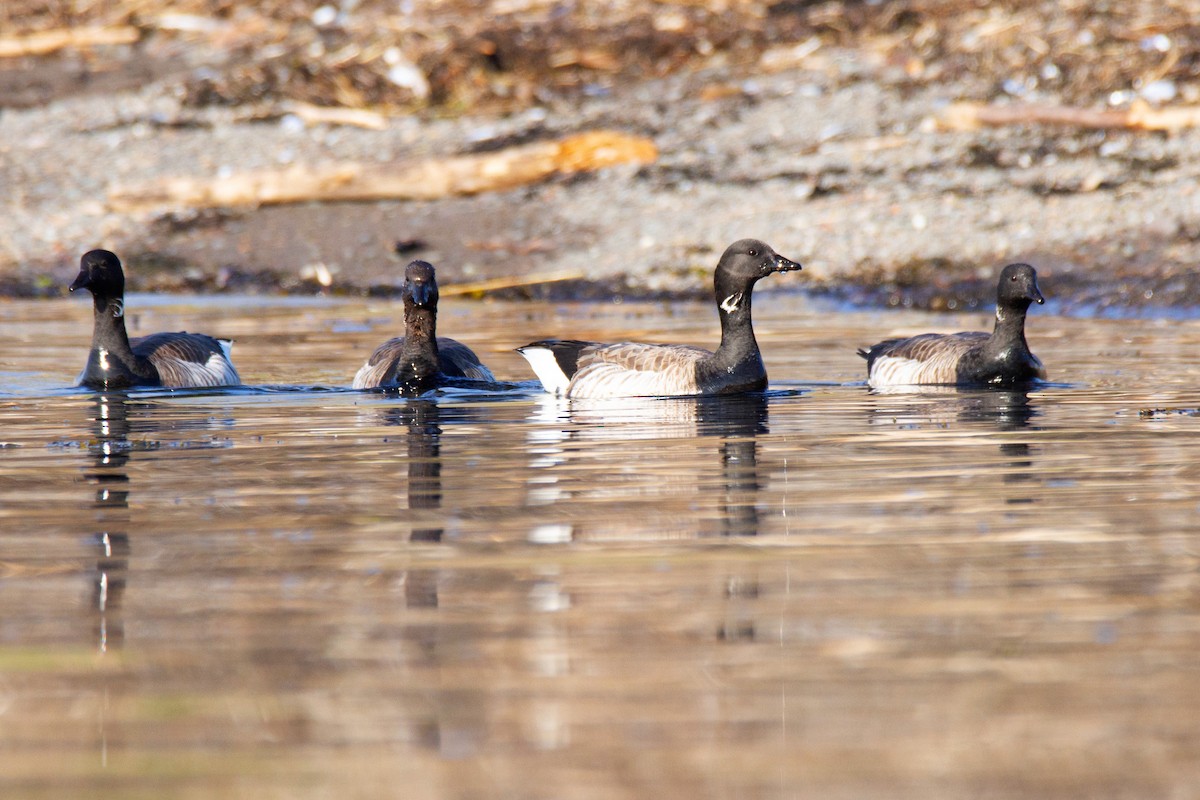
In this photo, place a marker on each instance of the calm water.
(822, 593)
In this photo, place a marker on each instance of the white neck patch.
(118, 308)
(732, 303)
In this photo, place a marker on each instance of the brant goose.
(570, 368)
(162, 359)
(973, 357)
(418, 361)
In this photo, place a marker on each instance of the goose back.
(637, 370)
(455, 360)
(188, 359)
(929, 358)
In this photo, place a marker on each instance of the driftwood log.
(333, 115)
(422, 180)
(509, 282)
(1139, 116)
(42, 43)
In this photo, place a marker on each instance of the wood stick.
(492, 284)
(1139, 116)
(336, 115)
(42, 43)
(422, 180)
(317, 115)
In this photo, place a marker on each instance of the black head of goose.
(571, 368)
(1000, 358)
(162, 359)
(418, 361)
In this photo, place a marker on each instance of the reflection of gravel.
(848, 176)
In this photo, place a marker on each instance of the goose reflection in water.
(108, 454)
(737, 422)
(456, 725)
(571, 430)
(118, 424)
(948, 406)
(421, 419)
(1008, 409)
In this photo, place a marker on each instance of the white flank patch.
(102, 357)
(730, 304)
(546, 367)
(604, 380)
(217, 371)
(221, 368)
(362, 378)
(892, 371)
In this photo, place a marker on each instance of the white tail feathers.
(546, 367)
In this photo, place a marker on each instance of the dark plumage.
(163, 359)
(419, 360)
(1000, 358)
(589, 369)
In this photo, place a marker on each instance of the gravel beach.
(833, 148)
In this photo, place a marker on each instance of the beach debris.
(1138, 116)
(41, 43)
(420, 180)
(510, 282)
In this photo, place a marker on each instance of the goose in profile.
(973, 357)
(162, 359)
(578, 369)
(420, 359)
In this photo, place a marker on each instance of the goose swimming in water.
(420, 359)
(577, 369)
(999, 358)
(162, 359)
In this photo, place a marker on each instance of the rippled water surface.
(294, 590)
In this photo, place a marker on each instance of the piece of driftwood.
(1139, 116)
(311, 114)
(337, 115)
(513, 248)
(422, 180)
(493, 284)
(41, 43)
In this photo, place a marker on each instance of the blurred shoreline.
(820, 127)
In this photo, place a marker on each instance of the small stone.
(1160, 91)
(325, 15)
(290, 123)
(1158, 43)
(407, 76)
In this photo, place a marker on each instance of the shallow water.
(301, 591)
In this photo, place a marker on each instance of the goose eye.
(753, 252)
